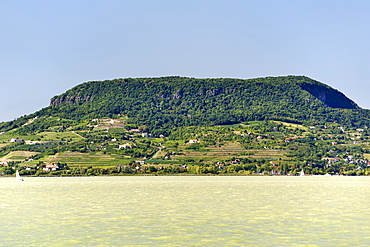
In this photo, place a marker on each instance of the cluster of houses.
(348, 160)
(27, 142)
(47, 167)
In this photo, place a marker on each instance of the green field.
(18, 156)
(270, 145)
(87, 159)
(4, 144)
(215, 153)
(44, 136)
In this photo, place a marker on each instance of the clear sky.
(50, 46)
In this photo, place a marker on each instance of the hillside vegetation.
(167, 102)
(177, 125)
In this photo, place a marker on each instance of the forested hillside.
(176, 125)
(167, 102)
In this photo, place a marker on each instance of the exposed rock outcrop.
(69, 99)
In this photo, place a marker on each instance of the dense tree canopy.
(167, 102)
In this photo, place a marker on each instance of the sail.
(18, 176)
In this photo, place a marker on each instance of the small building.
(4, 163)
(234, 162)
(16, 140)
(33, 142)
(51, 167)
(125, 146)
(274, 163)
(333, 160)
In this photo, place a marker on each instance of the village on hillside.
(111, 147)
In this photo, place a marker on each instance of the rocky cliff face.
(70, 99)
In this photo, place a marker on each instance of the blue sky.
(50, 46)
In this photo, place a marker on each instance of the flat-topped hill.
(167, 102)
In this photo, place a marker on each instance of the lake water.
(185, 211)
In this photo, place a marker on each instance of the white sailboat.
(18, 176)
(302, 173)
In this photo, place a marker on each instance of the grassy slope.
(17, 156)
(229, 145)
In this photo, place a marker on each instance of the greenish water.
(185, 211)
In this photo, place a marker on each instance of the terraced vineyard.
(4, 144)
(265, 147)
(227, 151)
(87, 159)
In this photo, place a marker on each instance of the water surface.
(185, 211)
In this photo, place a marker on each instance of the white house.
(16, 140)
(125, 146)
(51, 167)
